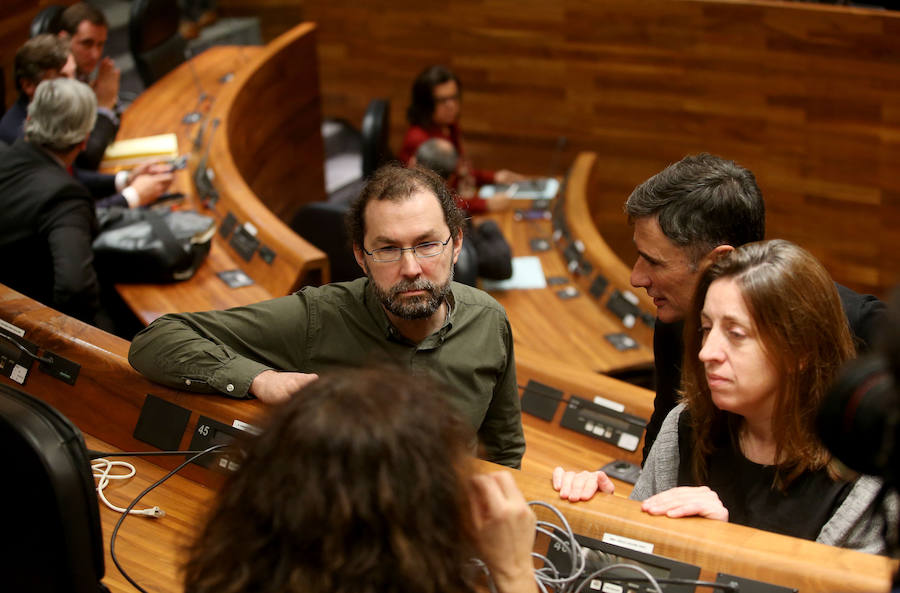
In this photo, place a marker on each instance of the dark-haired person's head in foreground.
(685, 217)
(359, 484)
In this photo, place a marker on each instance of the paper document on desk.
(527, 273)
(125, 153)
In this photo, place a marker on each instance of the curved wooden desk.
(266, 159)
(569, 331)
(107, 396)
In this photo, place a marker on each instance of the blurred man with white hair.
(48, 221)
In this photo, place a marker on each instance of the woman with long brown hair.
(764, 340)
(361, 483)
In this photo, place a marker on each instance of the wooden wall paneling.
(273, 125)
(804, 95)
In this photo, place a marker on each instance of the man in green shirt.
(407, 233)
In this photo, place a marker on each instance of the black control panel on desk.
(600, 422)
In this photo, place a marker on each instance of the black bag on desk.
(145, 246)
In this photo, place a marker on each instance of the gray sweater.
(857, 524)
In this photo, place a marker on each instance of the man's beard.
(417, 307)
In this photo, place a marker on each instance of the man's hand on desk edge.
(579, 486)
(272, 387)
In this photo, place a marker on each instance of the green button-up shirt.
(323, 329)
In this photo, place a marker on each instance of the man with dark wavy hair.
(42, 57)
(406, 232)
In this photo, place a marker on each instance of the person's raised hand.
(504, 531)
(497, 202)
(583, 485)
(507, 177)
(686, 501)
(272, 387)
(106, 85)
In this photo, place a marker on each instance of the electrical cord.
(137, 499)
(98, 454)
(550, 579)
(103, 471)
(591, 577)
(16, 343)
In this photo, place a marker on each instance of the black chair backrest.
(466, 268)
(322, 224)
(2, 90)
(153, 38)
(52, 523)
(376, 130)
(47, 20)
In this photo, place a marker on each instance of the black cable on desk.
(112, 539)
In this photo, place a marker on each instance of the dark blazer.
(103, 134)
(13, 121)
(46, 231)
(101, 185)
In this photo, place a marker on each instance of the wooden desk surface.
(151, 550)
(214, 84)
(569, 331)
(107, 397)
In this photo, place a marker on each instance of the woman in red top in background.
(434, 113)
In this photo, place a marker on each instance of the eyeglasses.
(447, 99)
(421, 251)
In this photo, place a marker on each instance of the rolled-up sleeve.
(223, 351)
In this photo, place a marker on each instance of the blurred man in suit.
(49, 222)
(45, 57)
